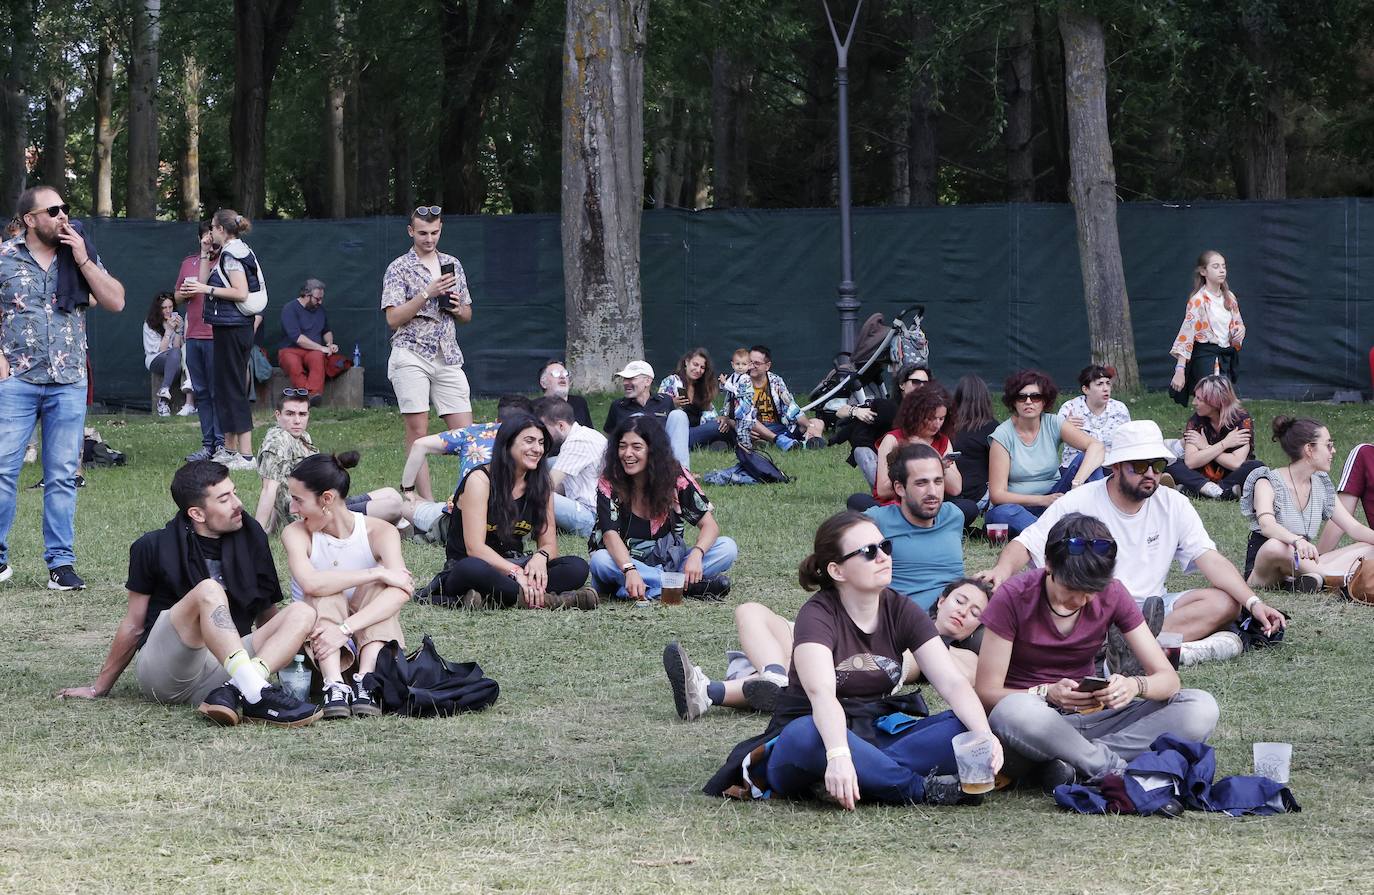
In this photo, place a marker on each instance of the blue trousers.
(200, 362)
(62, 408)
(890, 773)
(608, 578)
(1019, 518)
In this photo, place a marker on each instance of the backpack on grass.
(425, 685)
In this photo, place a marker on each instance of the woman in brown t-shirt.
(849, 640)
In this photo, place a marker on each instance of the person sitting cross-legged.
(203, 595)
(349, 568)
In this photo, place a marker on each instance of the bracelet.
(1141, 689)
(514, 572)
(837, 752)
(212, 291)
(1250, 603)
(627, 568)
(347, 631)
(695, 547)
(544, 553)
(406, 489)
(87, 261)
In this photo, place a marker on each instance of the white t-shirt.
(1165, 529)
(1220, 319)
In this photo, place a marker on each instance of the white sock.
(246, 676)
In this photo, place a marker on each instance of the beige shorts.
(171, 672)
(418, 381)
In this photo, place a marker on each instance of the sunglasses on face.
(870, 551)
(1140, 467)
(295, 393)
(917, 380)
(428, 211)
(53, 210)
(1036, 397)
(1079, 546)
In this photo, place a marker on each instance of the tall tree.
(20, 16)
(1092, 186)
(603, 185)
(102, 152)
(142, 169)
(334, 113)
(260, 31)
(1018, 92)
(54, 166)
(193, 74)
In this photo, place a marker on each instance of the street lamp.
(848, 302)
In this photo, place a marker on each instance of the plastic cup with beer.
(997, 533)
(1172, 644)
(1273, 759)
(973, 753)
(672, 582)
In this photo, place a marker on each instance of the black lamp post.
(848, 302)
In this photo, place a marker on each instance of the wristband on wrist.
(1250, 603)
(514, 572)
(347, 631)
(695, 547)
(627, 568)
(544, 553)
(837, 752)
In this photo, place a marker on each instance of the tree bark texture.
(102, 169)
(603, 185)
(14, 104)
(477, 39)
(334, 116)
(1018, 93)
(1049, 75)
(142, 170)
(923, 155)
(1092, 187)
(732, 84)
(193, 74)
(1263, 152)
(260, 31)
(54, 168)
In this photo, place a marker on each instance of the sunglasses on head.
(1079, 546)
(1030, 396)
(869, 552)
(1140, 467)
(53, 210)
(295, 393)
(428, 211)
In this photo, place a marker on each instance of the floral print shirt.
(1197, 324)
(277, 456)
(1099, 426)
(639, 534)
(433, 332)
(43, 345)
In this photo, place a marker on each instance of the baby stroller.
(858, 378)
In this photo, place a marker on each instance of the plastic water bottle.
(296, 679)
(357, 356)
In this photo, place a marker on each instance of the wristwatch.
(1041, 690)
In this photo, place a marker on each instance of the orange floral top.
(1197, 323)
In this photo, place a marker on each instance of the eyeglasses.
(1140, 467)
(295, 393)
(1036, 397)
(870, 552)
(428, 211)
(1079, 546)
(52, 210)
(917, 380)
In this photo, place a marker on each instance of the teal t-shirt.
(1034, 467)
(924, 560)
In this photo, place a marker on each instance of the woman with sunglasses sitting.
(835, 725)
(1042, 631)
(1023, 453)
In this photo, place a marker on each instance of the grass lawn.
(581, 778)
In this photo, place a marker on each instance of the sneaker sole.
(302, 722)
(366, 711)
(6, 573)
(53, 585)
(220, 714)
(334, 713)
(762, 695)
(677, 669)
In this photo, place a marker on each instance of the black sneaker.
(364, 705)
(223, 705)
(761, 694)
(5, 571)
(276, 706)
(204, 453)
(80, 480)
(943, 789)
(65, 578)
(337, 697)
(713, 590)
(1055, 773)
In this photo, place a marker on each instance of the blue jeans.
(62, 408)
(677, 427)
(167, 365)
(608, 578)
(891, 773)
(572, 516)
(707, 433)
(1018, 518)
(200, 362)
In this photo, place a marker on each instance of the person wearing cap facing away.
(640, 400)
(1152, 526)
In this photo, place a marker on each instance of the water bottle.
(296, 679)
(357, 356)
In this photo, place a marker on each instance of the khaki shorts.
(171, 672)
(418, 381)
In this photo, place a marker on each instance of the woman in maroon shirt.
(1041, 633)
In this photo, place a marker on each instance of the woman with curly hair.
(1024, 476)
(643, 502)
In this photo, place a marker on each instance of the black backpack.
(759, 466)
(424, 684)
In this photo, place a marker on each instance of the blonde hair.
(1228, 297)
(1217, 391)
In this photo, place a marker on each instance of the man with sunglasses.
(425, 296)
(1152, 527)
(555, 382)
(926, 534)
(49, 275)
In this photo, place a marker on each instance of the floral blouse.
(1197, 322)
(42, 344)
(433, 332)
(690, 505)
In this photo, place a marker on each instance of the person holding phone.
(1042, 631)
(163, 337)
(425, 296)
(693, 387)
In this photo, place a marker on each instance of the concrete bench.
(344, 390)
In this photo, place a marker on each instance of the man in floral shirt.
(48, 275)
(425, 296)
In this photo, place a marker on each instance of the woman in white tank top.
(349, 568)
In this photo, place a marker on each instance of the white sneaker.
(163, 408)
(164, 393)
(187, 410)
(774, 677)
(1212, 490)
(1217, 647)
(224, 455)
(31, 454)
(241, 463)
(688, 681)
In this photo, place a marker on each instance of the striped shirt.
(1306, 521)
(580, 459)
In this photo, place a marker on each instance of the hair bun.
(1281, 425)
(346, 459)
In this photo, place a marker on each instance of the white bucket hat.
(1137, 440)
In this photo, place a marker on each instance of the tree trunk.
(1262, 172)
(54, 168)
(923, 154)
(1092, 186)
(193, 74)
(732, 83)
(141, 201)
(663, 153)
(260, 31)
(477, 39)
(1049, 71)
(1018, 92)
(102, 168)
(603, 186)
(14, 104)
(334, 131)
(403, 180)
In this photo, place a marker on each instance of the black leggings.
(470, 573)
(232, 347)
(1190, 481)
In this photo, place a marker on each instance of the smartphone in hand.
(447, 301)
(1091, 684)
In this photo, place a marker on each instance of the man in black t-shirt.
(555, 382)
(197, 588)
(641, 400)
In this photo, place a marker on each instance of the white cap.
(636, 368)
(1137, 440)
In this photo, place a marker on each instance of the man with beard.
(925, 532)
(197, 589)
(48, 277)
(1152, 527)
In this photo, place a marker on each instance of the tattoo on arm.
(220, 618)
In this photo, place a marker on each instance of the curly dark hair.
(920, 405)
(501, 509)
(658, 481)
(1022, 378)
(701, 393)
